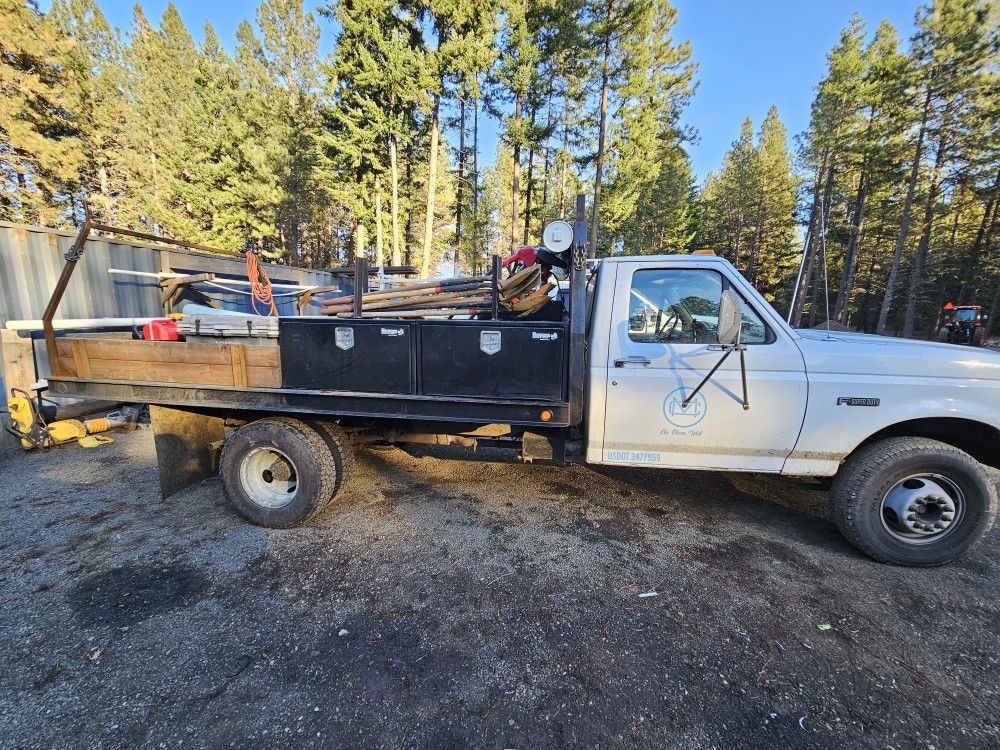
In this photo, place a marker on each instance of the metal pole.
(578, 313)
(798, 278)
(74, 254)
(360, 283)
(166, 240)
(495, 288)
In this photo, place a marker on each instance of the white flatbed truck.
(640, 374)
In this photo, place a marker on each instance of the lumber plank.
(262, 356)
(209, 353)
(160, 372)
(239, 364)
(18, 364)
(263, 377)
(81, 358)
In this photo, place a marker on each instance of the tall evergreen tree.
(39, 141)
(645, 80)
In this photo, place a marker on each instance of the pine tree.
(644, 82)
(748, 209)
(834, 122)
(290, 37)
(956, 44)
(40, 151)
(94, 59)
(878, 150)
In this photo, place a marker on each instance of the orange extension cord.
(260, 285)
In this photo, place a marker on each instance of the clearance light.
(546, 415)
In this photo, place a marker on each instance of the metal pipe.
(75, 324)
(166, 240)
(409, 289)
(150, 275)
(495, 286)
(72, 256)
(578, 313)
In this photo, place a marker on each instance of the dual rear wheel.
(280, 472)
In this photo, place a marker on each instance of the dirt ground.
(444, 604)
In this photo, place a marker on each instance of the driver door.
(663, 343)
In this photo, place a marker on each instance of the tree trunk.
(920, 259)
(994, 309)
(425, 261)
(595, 216)
(459, 188)
(817, 223)
(379, 247)
(527, 195)
(515, 188)
(870, 279)
(904, 220)
(814, 282)
(971, 266)
(394, 208)
(851, 256)
(795, 316)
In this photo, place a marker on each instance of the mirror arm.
(743, 373)
(708, 377)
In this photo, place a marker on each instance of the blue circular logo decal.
(679, 415)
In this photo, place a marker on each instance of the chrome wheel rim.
(922, 508)
(268, 477)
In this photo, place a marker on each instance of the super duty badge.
(858, 401)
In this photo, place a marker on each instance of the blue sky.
(750, 54)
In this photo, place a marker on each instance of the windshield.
(964, 315)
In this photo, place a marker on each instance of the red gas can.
(161, 330)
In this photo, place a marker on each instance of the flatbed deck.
(474, 371)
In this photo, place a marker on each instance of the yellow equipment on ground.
(28, 424)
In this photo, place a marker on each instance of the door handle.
(632, 360)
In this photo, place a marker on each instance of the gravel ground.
(474, 604)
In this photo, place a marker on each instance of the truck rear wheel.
(340, 447)
(912, 501)
(277, 472)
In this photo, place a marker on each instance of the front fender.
(843, 411)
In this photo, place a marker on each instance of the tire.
(908, 473)
(978, 336)
(277, 472)
(340, 447)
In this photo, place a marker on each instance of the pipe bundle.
(464, 295)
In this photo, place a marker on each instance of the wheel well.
(979, 440)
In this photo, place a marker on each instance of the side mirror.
(730, 318)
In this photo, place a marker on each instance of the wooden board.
(220, 364)
(18, 364)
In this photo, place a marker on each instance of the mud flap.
(184, 454)
(543, 447)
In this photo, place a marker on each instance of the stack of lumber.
(227, 326)
(467, 295)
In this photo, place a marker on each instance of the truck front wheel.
(912, 501)
(277, 472)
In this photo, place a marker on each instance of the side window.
(682, 306)
(753, 329)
